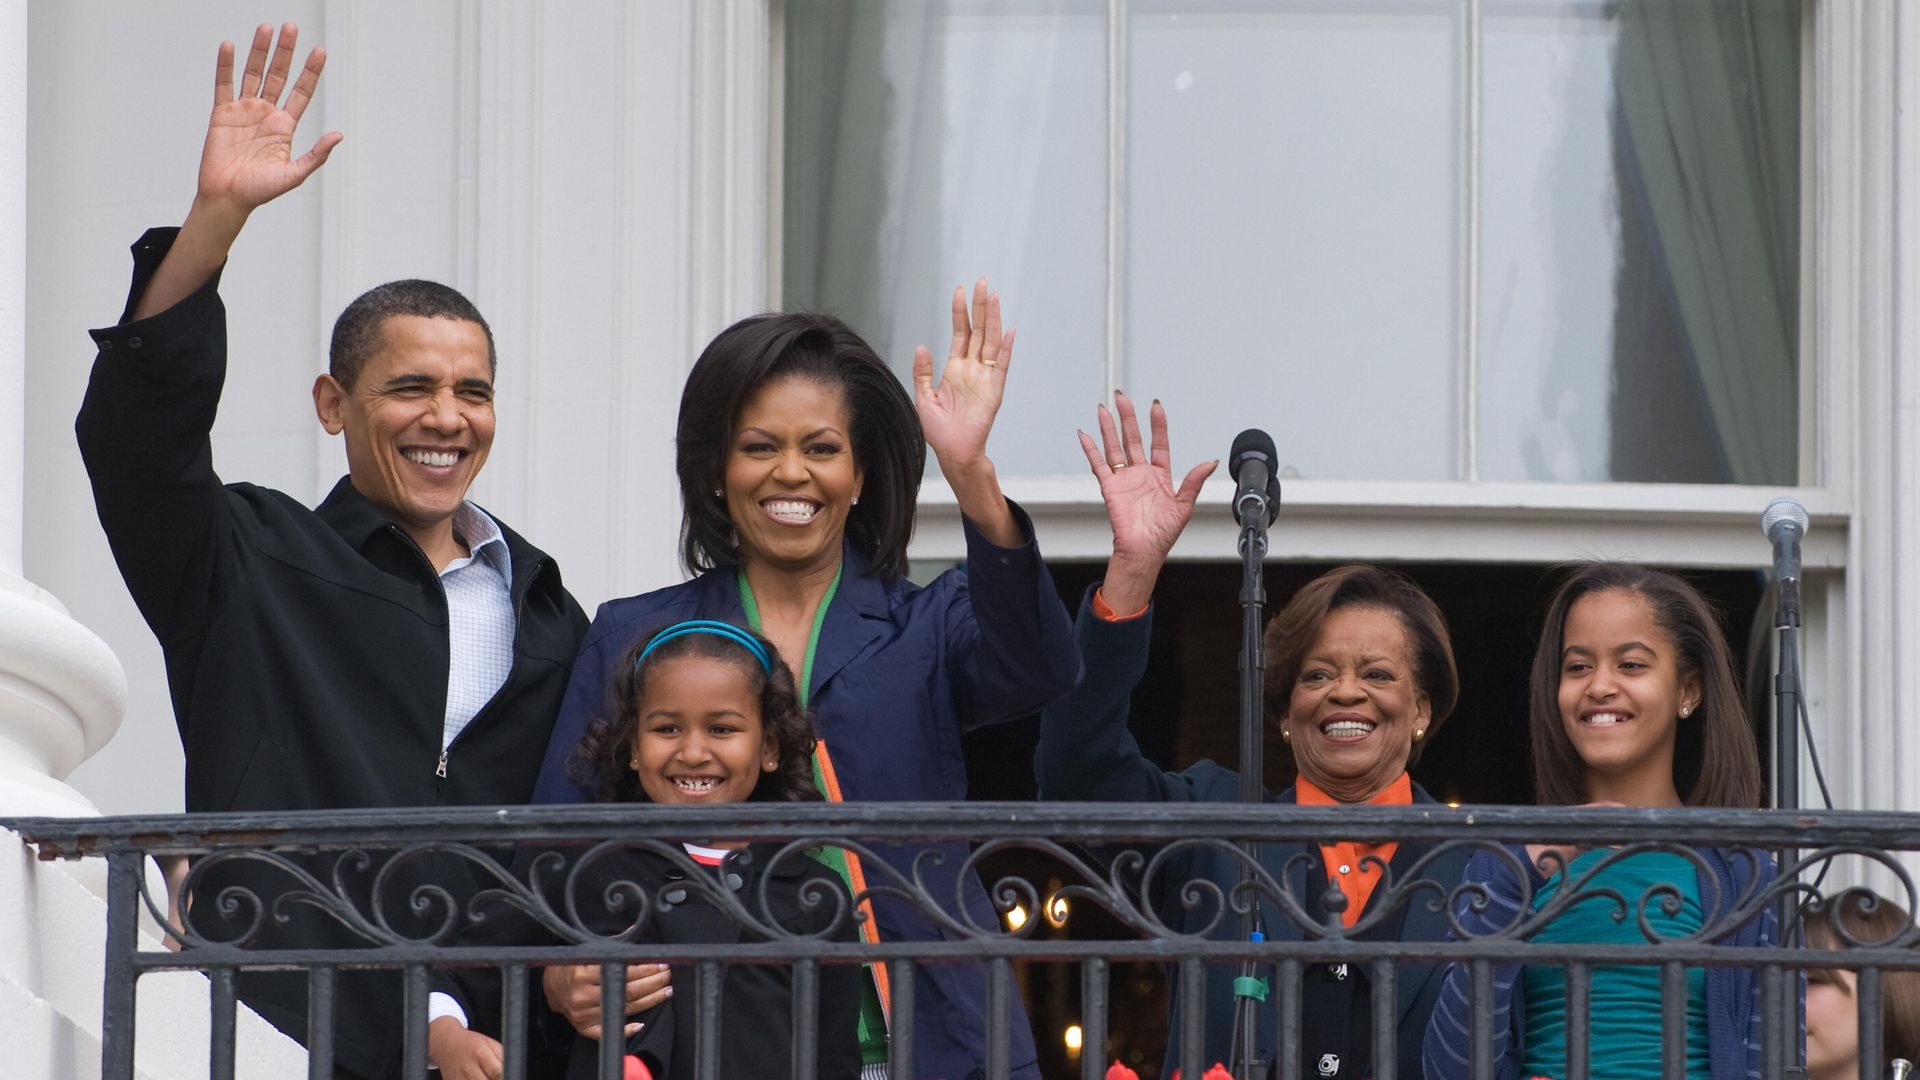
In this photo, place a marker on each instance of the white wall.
(533, 156)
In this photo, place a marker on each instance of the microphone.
(1252, 463)
(1785, 523)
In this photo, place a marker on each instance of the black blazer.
(755, 1018)
(1086, 753)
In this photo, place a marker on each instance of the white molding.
(729, 165)
(1867, 236)
(13, 283)
(343, 184)
(1440, 521)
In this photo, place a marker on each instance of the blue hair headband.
(717, 629)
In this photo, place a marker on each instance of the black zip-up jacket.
(306, 650)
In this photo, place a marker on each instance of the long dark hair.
(603, 761)
(1715, 761)
(1297, 627)
(888, 445)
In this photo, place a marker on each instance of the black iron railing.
(367, 873)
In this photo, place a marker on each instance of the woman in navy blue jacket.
(1633, 703)
(799, 458)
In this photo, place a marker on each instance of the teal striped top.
(1623, 1001)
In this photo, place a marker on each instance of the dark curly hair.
(888, 445)
(603, 762)
(358, 332)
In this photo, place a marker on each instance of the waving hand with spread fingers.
(247, 159)
(1146, 510)
(957, 415)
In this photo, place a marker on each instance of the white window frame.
(1859, 429)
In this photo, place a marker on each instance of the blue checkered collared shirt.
(479, 619)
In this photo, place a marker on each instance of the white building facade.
(614, 182)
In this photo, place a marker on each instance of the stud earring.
(1686, 711)
(856, 500)
(717, 493)
(1286, 736)
(1419, 733)
(772, 764)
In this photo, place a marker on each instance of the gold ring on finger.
(1118, 465)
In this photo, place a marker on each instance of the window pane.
(1290, 229)
(1640, 258)
(929, 143)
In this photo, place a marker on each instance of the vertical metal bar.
(1773, 1006)
(999, 1001)
(1467, 264)
(1871, 1051)
(1673, 1021)
(806, 1019)
(710, 979)
(320, 990)
(1116, 295)
(1579, 1018)
(513, 1021)
(900, 1019)
(613, 1019)
(1193, 1015)
(1386, 1046)
(413, 1033)
(1286, 977)
(1093, 1019)
(1482, 1049)
(124, 874)
(220, 1027)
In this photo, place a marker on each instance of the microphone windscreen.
(1255, 442)
(1784, 508)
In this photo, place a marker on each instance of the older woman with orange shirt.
(1360, 675)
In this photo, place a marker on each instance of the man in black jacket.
(395, 646)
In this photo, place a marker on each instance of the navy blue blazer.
(898, 673)
(1087, 754)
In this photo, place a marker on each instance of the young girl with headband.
(702, 713)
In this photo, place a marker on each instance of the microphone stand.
(1786, 696)
(1249, 989)
(1786, 753)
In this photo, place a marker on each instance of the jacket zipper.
(519, 603)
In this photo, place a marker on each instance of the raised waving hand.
(957, 415)
(1146, 510)
(247, 159)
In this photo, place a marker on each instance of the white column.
(13, 280)
(62, 691)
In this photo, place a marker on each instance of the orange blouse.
(1346, 869)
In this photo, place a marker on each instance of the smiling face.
(1621, 695)
(418, 422)
(790, 474)
(699, 737)
(1354, 708)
